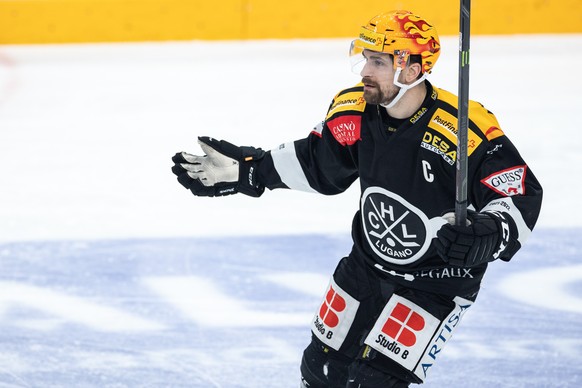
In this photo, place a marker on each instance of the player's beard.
(376, 95)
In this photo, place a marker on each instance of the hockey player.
(395, 300)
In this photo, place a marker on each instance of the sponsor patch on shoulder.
(507, 182)
(346, 129)
(353, 101)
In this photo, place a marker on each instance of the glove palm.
(211, 168)
(219, 171)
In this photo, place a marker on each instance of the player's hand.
(224, 169)
(483, 239)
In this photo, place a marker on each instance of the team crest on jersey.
(396, 231)
(346, 129)
(507, 182)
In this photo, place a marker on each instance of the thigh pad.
(411, 336)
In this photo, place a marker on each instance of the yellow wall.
(56, 21)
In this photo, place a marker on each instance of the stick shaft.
(463, 113)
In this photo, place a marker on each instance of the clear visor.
(357, 59)
(400, 58)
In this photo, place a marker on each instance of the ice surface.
(222, 312)
(112, 275)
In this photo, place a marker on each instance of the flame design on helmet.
(402, 31)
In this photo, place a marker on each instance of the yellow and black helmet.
(400, 33)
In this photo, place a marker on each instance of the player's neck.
(409, 103)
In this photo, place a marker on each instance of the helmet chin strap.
(403, 88)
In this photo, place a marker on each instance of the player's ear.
(413, 71)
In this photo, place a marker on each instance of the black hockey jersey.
(407, 176)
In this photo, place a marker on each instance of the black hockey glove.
(483, 239)
(225, 169)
